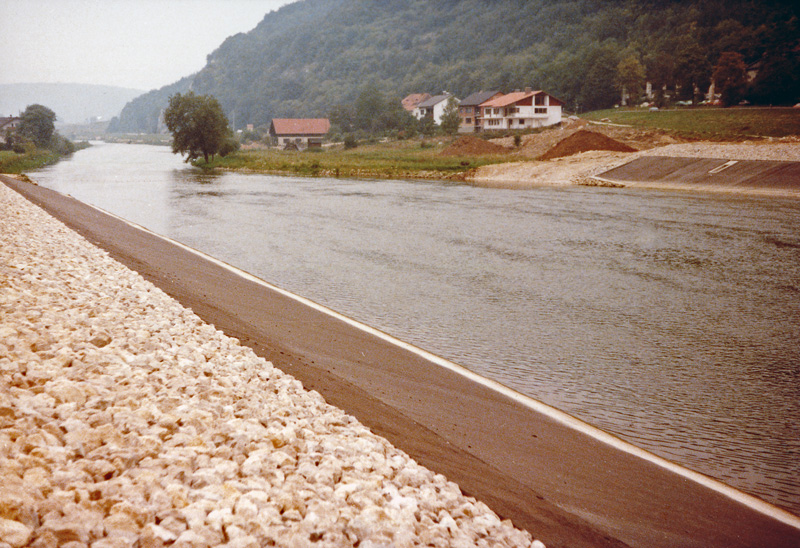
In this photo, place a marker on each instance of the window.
(468, 121)
(539, 110)
(540, 100)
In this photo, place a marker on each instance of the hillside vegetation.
(309, 57)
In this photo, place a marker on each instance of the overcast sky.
(140, 44)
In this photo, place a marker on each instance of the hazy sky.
(140, 44)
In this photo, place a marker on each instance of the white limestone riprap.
(126, 421)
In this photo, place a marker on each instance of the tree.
(427, 126)
(630, 78)
(730, 77)
(368, 109)
(450, 118)
(197, 124)
(38, 124)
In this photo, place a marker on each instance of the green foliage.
(13, 162)
(37, 124)
(229, 145)
(350, 142)
(371, 114)
(198, 126)
(397, 159)
(631, 77)
(308, 57)
(710, 123)
(730, 77)
(450, 118)
(426, 126)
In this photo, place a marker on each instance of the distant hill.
(72, 103)
(142, 115)
(308, 57)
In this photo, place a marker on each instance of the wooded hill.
(311, 56)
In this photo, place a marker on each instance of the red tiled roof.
(517, 96)
(301, 126)
(509, 99)
(411, 102)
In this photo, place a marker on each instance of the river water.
(671, 319)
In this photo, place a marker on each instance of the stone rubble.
(762, 150)
(126, 421)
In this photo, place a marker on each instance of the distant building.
(433, 108)
(470, 110)
(521, 110)
(8, 125)
(299, 133)
(411, 101)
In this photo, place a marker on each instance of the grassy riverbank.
(18, 162)
(723, 124)
(12, 162)
(394, 160)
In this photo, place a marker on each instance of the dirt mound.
(470, 146)
(582, 141)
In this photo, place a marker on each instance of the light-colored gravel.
(126, 421)
(762, 150)
(583, 167)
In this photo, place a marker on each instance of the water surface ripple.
(670, 319)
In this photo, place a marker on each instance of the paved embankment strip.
(536, 466)
(126, 421)
(711, 173)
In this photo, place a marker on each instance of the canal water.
(671, 319)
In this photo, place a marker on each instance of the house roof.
(435, 100)
(477, 98)
(508, 99)
(9, 120)
(517, 96)
(300, 126)
(411, 102)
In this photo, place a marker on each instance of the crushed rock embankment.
(126, 421)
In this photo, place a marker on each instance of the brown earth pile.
(582, 141)
(469, 146)
(536, 144)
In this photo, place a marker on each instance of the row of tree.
(312, 54)
(37, 130)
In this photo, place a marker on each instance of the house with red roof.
(521, 110)
(469, 110)
(411, 101)
(299, 133)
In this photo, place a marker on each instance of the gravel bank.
(780, 152)
(581, 168)
(126, 421)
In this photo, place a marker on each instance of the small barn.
(299, 133)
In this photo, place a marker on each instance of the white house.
(432, 108)
(8, 125)
(299, 133)
(521, 110)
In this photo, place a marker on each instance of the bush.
(350, 142)
(229, 144)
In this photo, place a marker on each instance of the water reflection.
(670, 319)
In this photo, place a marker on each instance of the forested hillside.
(311, 56)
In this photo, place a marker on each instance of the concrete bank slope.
(762, 176)
(568, 483)
(127, 422)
